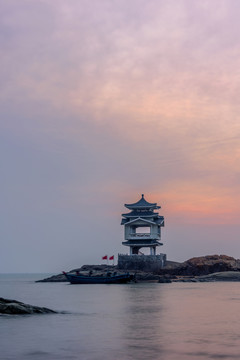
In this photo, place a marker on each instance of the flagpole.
(105, 258)
(112, 258)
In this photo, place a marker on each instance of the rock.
(221, 276)
(192, 268)
(103, 268)
(54, 278)
(203, 265)
(143, 276)
(85, 269)
(164, 280)
(13, 307)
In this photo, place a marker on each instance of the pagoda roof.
(141, 219)
(142, 243)
(159, 220)
(135, 213)
(142, 204)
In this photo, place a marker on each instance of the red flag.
(104, 257)
(111, 257)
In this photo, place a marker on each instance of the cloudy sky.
(104, 100)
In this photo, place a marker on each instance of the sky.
(104, 100)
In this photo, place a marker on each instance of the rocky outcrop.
(194, 267)
(219, 276)
(13, 307)
(204, 265)
(98, 270)
(85, 269)
(54, 278)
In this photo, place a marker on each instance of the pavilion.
(142, 226)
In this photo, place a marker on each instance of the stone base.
(149, 263)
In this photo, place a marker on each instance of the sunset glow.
(104, 100)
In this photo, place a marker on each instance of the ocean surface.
(177, 321)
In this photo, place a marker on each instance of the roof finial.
(142, 196)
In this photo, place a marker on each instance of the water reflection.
(125, 322)
(143, 327)
(178, 321)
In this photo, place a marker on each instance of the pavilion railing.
(140, 234)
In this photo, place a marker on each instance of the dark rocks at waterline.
(85, 270)
(232, 276)
(194, 267)
(165, 279)
(221, 276)
(13, 307)
(104, 269)
(99, 270)
(144, 276)
(53, 278)
(139, 276)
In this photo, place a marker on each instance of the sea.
(138, 321)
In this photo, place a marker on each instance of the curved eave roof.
(159, 220)
(142, 243)
(142, 204)
(135, 213)
(130, 221)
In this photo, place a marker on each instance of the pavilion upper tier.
(142, 204)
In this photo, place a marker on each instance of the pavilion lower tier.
(136, 245)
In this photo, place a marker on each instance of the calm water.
(133, 321)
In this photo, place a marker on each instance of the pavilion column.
(131, 250)
(153, 250)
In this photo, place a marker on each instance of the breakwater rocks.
(197, 269)
(85, 270)
(103, 270)
(203, 265)
(219, 276)
(14, 307)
